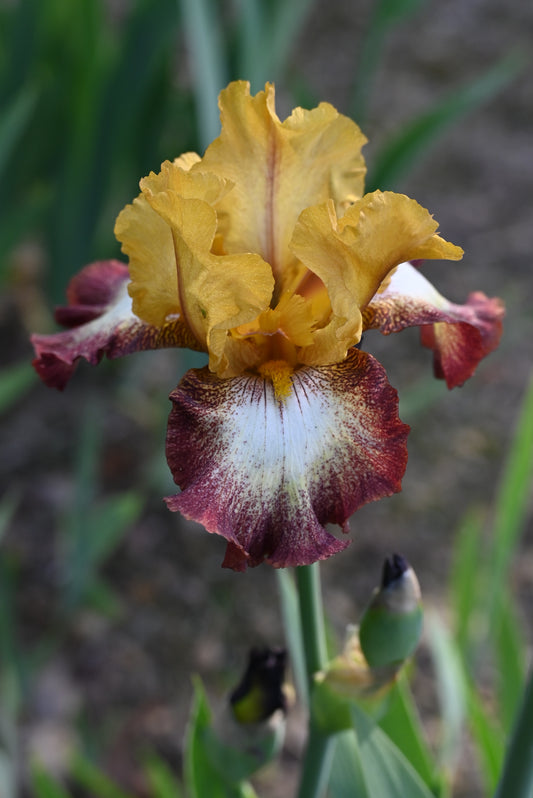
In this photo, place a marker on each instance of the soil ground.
(122, 682)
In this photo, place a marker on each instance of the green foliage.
(208, 769)
(15, 381)
(406, 149)
(367, 764)
(92, 529)
(401, 722)
(87, 106)
(163, 783)
(291, 620)
(486, 626)
(386, 15)
(44, 785)
(87, 775)
(77, 102)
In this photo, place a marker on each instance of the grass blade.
(13, 121)
(287, 22)
(163, 783)
(401, 153)
(44, 786)
(511, 663)
(386, 14)
(466, 577)
(513, 496)
(488, 737)
(203, 28)
(402, 724)
(15, 381)
(87, 775)
(387, 773)
(451, 689)
(293, 631)
(517, 776)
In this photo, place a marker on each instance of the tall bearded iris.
(266, 255)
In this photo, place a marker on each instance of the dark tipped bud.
(392, 623)
(393, 568)
(260, 692)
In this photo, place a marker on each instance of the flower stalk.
(319, 751)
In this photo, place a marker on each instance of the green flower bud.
(392, 623)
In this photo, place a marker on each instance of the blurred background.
(108, 601)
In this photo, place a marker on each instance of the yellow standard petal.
(353, 254)
(147, 238)
(216, 292)
(278, 169)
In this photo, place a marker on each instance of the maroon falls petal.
(459, 346)
(460, 336)
(100, 321)
(267, 473)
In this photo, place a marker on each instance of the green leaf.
(367, 764)
(163, 783)
(9, 695)
(401, 722)
(110, 522)
(451, 689)
(347, 779)
(488, 737)
(8, 505)
(467, 580)
(92, 530)
(89, 776)
(286, 23)
(512, 499)
(509, 644)
(44, 786)
(13, 121)
(517, 776)
(202, 776)
(387, 772)
(293, 630)
(406, 148)
(101, 598)
(15, 382)
(203, 28)
(385, 15)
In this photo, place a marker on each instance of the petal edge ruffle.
(460, 336)
(268, 474)
(100, 321)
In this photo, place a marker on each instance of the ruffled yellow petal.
(147, 239)
(353, 254)
(217, 292)
(278, 169)
(187, 160)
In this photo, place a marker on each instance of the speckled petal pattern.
(268, 473)
(459, 335)
(101, 322)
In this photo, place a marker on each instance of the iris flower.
(266, 254)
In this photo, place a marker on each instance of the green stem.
(312, 618)
(517, 776)
(319, 752)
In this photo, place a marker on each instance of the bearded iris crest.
(266, 255)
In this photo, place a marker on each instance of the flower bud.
(250, 730)
(260, 692)
(392, 623)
